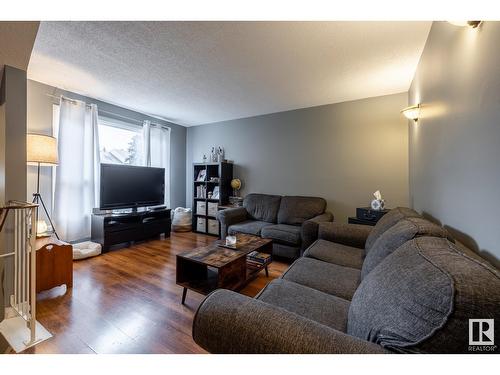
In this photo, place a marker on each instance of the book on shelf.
(253, 264)
(201, 191)
(261, 258)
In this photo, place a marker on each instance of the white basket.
(181, 221)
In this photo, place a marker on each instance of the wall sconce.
(412, 112)
(471, 24)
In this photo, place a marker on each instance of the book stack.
(201, 191)
(257, 259)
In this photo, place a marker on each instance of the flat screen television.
(126, 186)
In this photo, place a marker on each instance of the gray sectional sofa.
(401, 286)
(287, 220)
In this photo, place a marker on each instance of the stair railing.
(23, 299)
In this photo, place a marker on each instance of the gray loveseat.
(287, 220)
(401, 286)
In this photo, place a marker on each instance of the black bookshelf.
(204, 208)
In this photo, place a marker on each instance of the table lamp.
(42, 150)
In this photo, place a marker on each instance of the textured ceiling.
(193, 73)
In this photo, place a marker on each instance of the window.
(120, 142)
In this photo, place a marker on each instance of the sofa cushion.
(248, 226)
(326, 277)
(387, 221)
(336, 253)
(295, 210)
(421, 297)
(285, 251)
(262, 207)
(397, 235)
(282, 233)
(346, 234)
(315, 305)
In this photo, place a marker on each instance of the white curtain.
(157, 151)
(146, 142)
(77, 175)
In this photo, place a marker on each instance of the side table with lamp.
(54, 258)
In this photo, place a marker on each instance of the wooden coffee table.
(211, 267)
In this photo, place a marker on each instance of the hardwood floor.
(126, 301)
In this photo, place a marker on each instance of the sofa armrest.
(347, 234)
(228, 322)
(229, 217)
(309, 230)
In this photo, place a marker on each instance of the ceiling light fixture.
(412, 112)
(472, 24)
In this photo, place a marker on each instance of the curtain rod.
(59, 97)
(107, 112)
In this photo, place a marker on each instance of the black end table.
(367, 216)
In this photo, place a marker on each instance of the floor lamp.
(42, 150)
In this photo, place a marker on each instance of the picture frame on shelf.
(215, 193)
(202, 175)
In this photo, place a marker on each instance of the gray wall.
(3, 343)
(455, 147)
(12, 164)
(342, 152)
(15, 133)
(40, 121)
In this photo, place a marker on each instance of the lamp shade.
(472, 24)
(42, 149)
(412, 113)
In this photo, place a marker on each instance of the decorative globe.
(236, 184)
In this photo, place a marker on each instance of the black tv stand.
(112, 228)
(157, 208)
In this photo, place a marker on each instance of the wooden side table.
(54, 263)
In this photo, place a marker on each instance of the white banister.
(21, 329)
